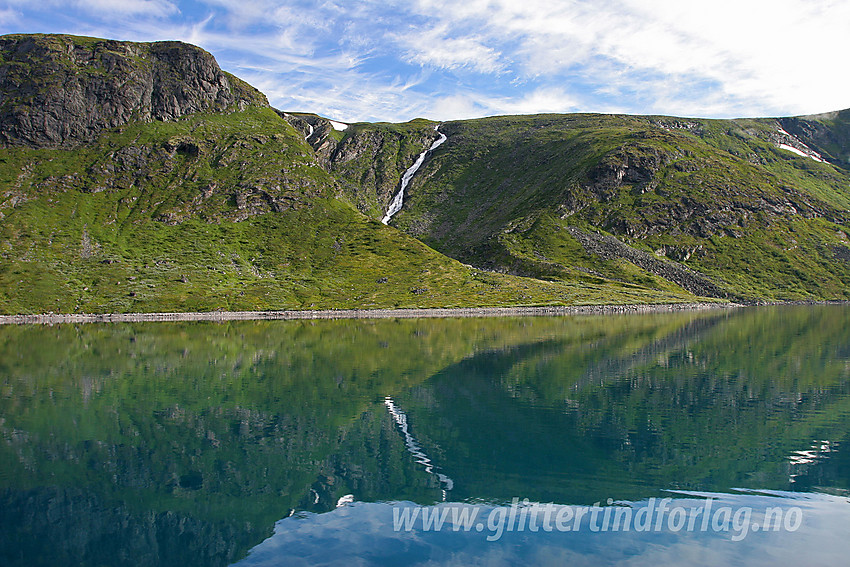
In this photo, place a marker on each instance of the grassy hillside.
(225, 211)
(196, 195)
(537, 195)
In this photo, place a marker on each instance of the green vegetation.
(226, 211)
(718, 196)
(152, 205)
(370, 159)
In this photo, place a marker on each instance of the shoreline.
(409, 313)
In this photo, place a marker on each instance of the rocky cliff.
(61, 91)
(368, 160)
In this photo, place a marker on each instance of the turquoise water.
(709, 438)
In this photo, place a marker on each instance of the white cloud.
(435, 47)
(780, 53)
(343, 95)
(158, 8)
(768, 54)
(36, 15)
(475, 105)
(457, 107)
(242, 13)
(9, 16)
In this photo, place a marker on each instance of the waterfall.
(395, 205)
(410, 442)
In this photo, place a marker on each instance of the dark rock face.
(368, 161)
(629, 164)
(828, 133)
(61, 91)
(607, 247)
(315, 129)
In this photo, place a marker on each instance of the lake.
(702, 438)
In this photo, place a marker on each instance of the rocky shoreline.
(61, 318)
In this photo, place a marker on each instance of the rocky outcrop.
(368, 160)
(607, 247)
(61, 91)
(636, 165)
(315, 129)
(828, 133)
(637, 170)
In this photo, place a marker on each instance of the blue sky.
(448, 59)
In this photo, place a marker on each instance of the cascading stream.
(395, 204)
(415, 449)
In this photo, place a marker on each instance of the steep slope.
(829, 134)
(368, 160)
(60, 91)
(726, 208)
(140, 177)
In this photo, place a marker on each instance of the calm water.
(308, 443)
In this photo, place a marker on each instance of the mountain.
(142, 177)
(62, 91)
(756, 210)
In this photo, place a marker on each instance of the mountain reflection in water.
(191, 443)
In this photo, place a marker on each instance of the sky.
(395, 60)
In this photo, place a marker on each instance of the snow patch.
(809, 153)
(793, 149)
(338, 125)
(396, 203)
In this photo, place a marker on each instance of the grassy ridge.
(245, 207)
(224, 211)
(719, 196)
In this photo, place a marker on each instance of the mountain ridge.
(187, 191)
(60, 90)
